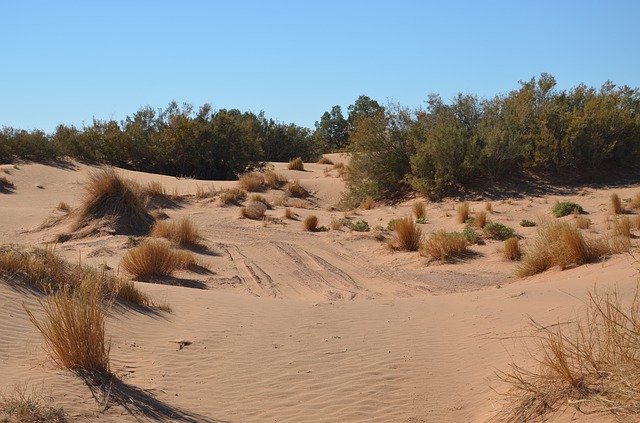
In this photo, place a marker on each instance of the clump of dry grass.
(119, 200)
(616, 204)
(622, 226)
(252, 182)
(462, 212)
(290, 214)
(260, 198)
(310, 223)
(274, 180)
(155, 189)
(563, 245)
(296, 190)
(6, 185)
(205, 191)
(407, 235)
(325, 160)
(480, 219)
(253, 210)
(73, 330)
(444, 245)
(19, 406)
(151, 258)
(583, 222)
(512, 249)
(182, 232)
(368, 203)
(64, 207)
(337, 224)
(419, 210)
(635, 202)
(296, 164)
(636, 222)
(341, 169)
(591, 364)
(231, 196)
(488, 206)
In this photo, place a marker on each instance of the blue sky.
(70, 61)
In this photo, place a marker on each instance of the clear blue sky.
(70, 61)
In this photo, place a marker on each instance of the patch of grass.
(616, 204)
(622, 226)
(488, 206)
(274, 180)
(19, 406)
(231, 196)
(260, 198)
(64, 207)
(511, 249)
(205, 192)
(324, 160)
(296, 190)
(155, 189)
(254, 210)
(391, 225)
(296, 164)
(310, 223)
(419, 210)
(583, 222)
(421, 221)
(635, 202)
(499, 231)
(480, 219)
(635, 223)
(444, 245)
(471, 235)
(290, 214)
(6, 185)
(252, 182)
(182, 232)
(527, 223)
(337, 224)
(360, 225)
(406, 235)
(150, 259)
(565, 208)
(462, 212)
(368, 203)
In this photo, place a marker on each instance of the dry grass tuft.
(274, 180)
(73, 330)
(512, 249)
(591, 364)
(407, 235)
(444, 245)
(583, 222)
(120, 200)
(635, 202)
(488, 206)
(324, 160)
(296, 164)
(253, 210)
(296, 190)
(150, 259)
(290, 214)
(155, 189)
(462, 212)
(419, 210)
(337, 224)
(182, 232)
(64, 207)
(19, 406)
(635, 223)
(310, 223)
(252, 182)
(622, 226)
(260, 198)
(6, 185)
(368, 203)
(480, 219)
(205, 192)
(231, 196)
(616, 204)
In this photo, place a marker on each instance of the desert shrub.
(444, 245)
(261, 199)
(154, 189)
(391, 225)
(205, 192)
(73, 330)
(254, 210)
(310, 223)
(296, 164)
(480, 219)
(635, 202)
(325, 160)
(150, 259)
(471, 235)
(120, 201)
(368, 203)
(274, 180)
(231, 196)
(622, 226)
(616, 204)
(499, 231)
(251, 182)
(6, 185)
(296, 190)
(462, 212)
(635, 223)
(527, 223)
(62, 206)
(407, 235)
(20, 406)
(565, 208)
(590, 364)
(359, 226)
(488, 206)
(290, 214)
(337, 224)
(182, 232)
(419, 210)
(512, 249)
(583, 222)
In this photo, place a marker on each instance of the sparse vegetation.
(205, 192)
(325, 160)
(296, 164)
(616, 204)
(274, 180)
(231, 196)
(471, 235)
(622, 226)
(583, 222)
(360, 225)
(407, 235)
(261, 199)
(64, 207)
(290, 214)
(499, 231)
(368, 203)
(296, 190)
(512, 249)
(19, 406)
(565, 208)
(419, 210)
(480, 219)
(462, 212)
(252, 182)
(527, 223)
(488, 206)
(254, 210)
(152, 258)
(6, 185)
(444, 245)
(310, 223)
(182, 232)
(635, 202)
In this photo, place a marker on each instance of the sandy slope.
(297, 326)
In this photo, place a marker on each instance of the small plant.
(421, 221)
(324, 160)
(512, 249)
(407, 235)
(132, 241)
(368, 203)
(290, 214)
(150, 259)
(251, 182)
(205, 192)
(419, 210)
(6, 185)
(636, 222)
(231, 196)
(622, 226)
(260, 198)
(64, 207)
(471, 235)
(583, 222)
(155, 189)
(253, 210)
(182, 232)
(274, 180)
(392, 224)
(359, 226)
(444, 245)
(480, 219)
(488, 206)
(23, 407)
(337, 224)
(462, 212)
(296, 164)
(310, 223)
(635, 202)
(296, 190)
(616, 204)
(499, 231)
(527, 223)
(565, 208)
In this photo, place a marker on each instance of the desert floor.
(292, 326)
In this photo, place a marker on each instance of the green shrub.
(421, 220)
(392, 224)
(471, 235)
(499, 231)
(527, 223)
(565, 208)
(359, 226)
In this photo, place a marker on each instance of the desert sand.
(296, 326)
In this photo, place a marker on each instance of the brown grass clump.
(407, 235)
(583, 222)
(231, 196)
(488, 206)
(635, 202)
(480, 219)
(274, 180)
(341, 169)
(20, 406)
(182, 232)
(337, 224)
(635, 224)
(290, 214)
(368, 203)
(512, 249)
(260, 198)
(616, 204)
(155, 189)
(443, 245)
(205, 192)
(324, 160)
(73, 330)
(6, 185)
(253, 210)
(296, 164)
(64, 207)
(296, 190)
(310, 223)
(150, 259)
(252, 182)
(419, 210)
(591, 364)
(622, 226)
(563, 245)
(462, 212)
(118, 200)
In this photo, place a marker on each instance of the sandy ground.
(296, 326)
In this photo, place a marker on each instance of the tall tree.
(332, 132)
(364, 107)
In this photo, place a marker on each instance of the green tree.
(332, 132)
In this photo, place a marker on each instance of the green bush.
(498, 231)
(392, 224)
(527, 223)
(471, 235)
(359, 226)
(565, 208)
